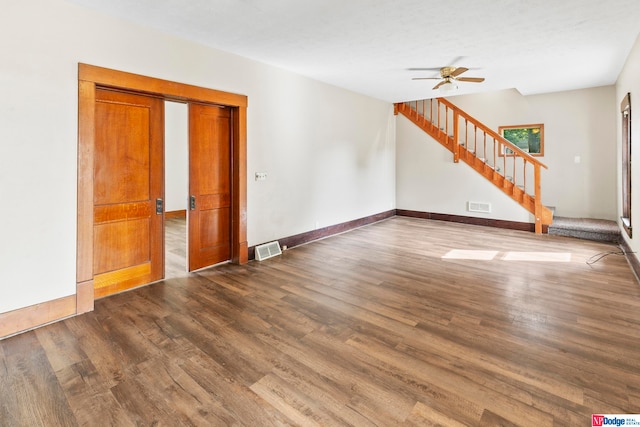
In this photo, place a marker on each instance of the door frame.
(90, 77)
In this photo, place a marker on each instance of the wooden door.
(209, 185)
(128, 180)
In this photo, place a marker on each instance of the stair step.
(601, 230)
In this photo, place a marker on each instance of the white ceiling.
(368, 46)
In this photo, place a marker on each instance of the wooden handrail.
(492, 133)
(446, 131)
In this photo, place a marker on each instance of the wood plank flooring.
(369, 328)
(175, 247)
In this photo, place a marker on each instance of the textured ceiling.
(369, 46)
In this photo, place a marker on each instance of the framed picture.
(529, 138)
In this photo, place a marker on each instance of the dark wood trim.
(487, 222)
(632, 258)
(24, 319)
(182, 213)
(321, 233)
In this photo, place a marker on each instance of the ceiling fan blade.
(471, 79)
(426, 78)
(458, 71)
(425, 69)
(439, 84)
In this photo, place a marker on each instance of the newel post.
(538, 199)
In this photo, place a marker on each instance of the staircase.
(512, 170)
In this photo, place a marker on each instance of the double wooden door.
(128, 237)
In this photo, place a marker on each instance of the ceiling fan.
(449, 76)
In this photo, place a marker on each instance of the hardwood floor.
(371, 327)
(175, 250)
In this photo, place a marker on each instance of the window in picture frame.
(529, 138)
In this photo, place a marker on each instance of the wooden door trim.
(239, 247)
(89, 78)
(157, 87)
(84, 248)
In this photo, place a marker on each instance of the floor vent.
(267, 250)
(479, 207)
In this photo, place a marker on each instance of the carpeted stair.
(602, 230)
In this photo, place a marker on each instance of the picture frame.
(529, 138)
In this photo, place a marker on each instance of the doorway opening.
(176, 188)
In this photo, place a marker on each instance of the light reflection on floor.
(465, 254)
(508, 256)
(538, 256)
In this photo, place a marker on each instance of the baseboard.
(24, 319)
(632, 259)
(487, 222)
(175, 214)
(85, 297)
(331, 230)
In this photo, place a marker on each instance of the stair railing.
(514, 171)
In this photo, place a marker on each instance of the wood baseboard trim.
(321, 233)
(27, 318)
(85, 297)
(487, 222)
(632, 259)
(175, 214)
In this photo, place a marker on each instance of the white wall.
(329, 156)
(329, 153)
(629, 82)
(176, 156)
(578, 123)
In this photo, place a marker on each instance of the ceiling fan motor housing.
(446, 71)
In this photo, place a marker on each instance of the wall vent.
(481, 207)
(267, 250)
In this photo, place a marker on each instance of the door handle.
(159, 206)
(192, 203)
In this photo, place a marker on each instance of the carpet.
(586, 228)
